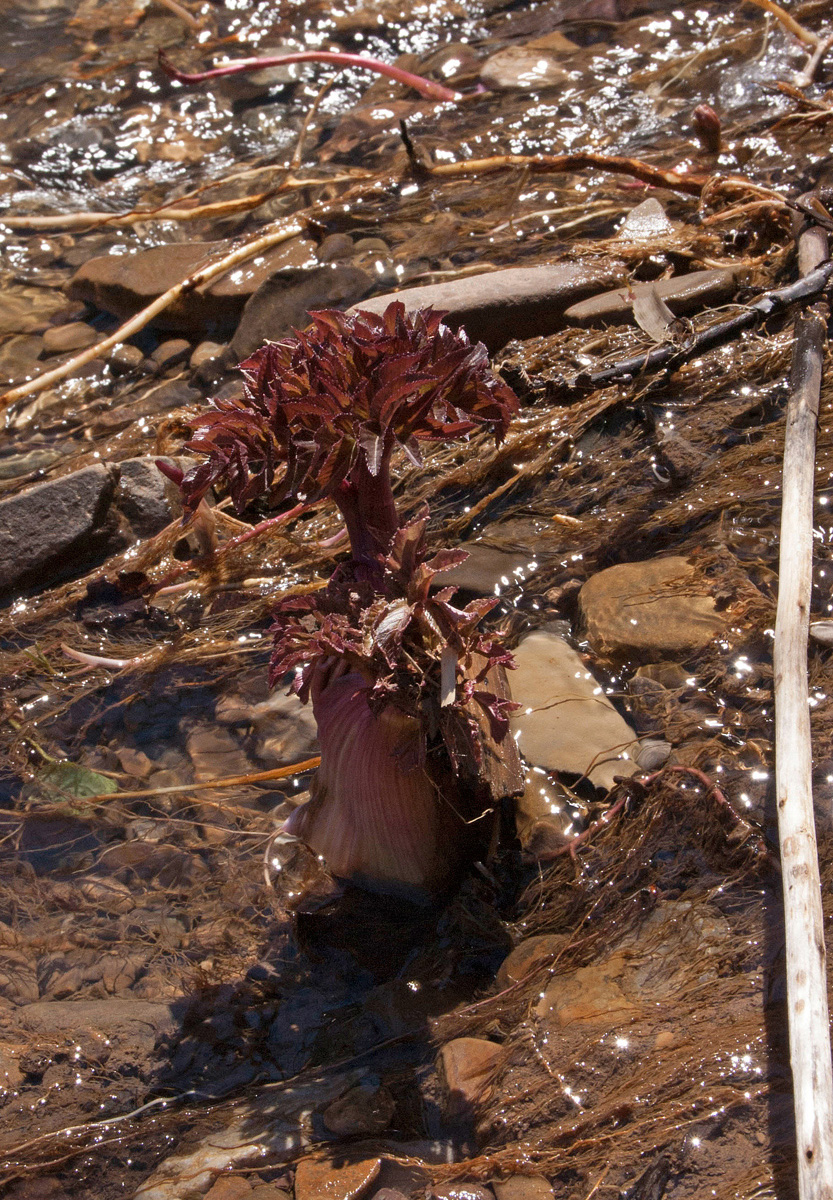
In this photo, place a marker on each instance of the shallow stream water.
(172, 1018)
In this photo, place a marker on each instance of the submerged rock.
(523, 1187)
(545, 816)
(363, 1110)
(532, 952)
(77, 335)
(123, 284)
(528, 67)
(278, 1121)
(682, 293)
(488, 571)
(590, 994)
(655, 606)
(19, 358)
(467, 1065)
(518, 302)
(323, 1179)
(566, 722)
(281, 304)
(28, 309)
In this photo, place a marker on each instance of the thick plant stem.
(809, 1027)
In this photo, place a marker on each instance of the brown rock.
(75, 336)
(216, 753)
(25, 309)
(124, 358)
(545, 819)
(682, 293)
(524, 1187)
(488, 571)
(364, 1109)
(658, 605)
(205, 352)
(44, 1188)
(18, 980)
(134, 762)
(462, 1191)
(527, 68)
(529, 954)
(172, 351)
(229, 1187)
(592, 995)
(467, 1065)
(566, 723)
(268, 1191)
(321, 1179)
(19, 358)
(516, 302)
(123, 284)
(11, 1075)
(281, 304)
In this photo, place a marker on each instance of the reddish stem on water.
(425, 87)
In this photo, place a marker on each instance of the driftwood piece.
(280, 232)
(809, 1028)
(671, 356)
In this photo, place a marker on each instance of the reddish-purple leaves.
(394, 632)
(321, 415)
(334, 401)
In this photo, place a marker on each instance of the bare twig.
(670, 356)
(180, 11)
(692, 185)
(218, 208)
(309, 764)
(266, 241)
(808, 1016)
(805, 36)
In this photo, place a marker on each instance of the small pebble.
(204, 352)
(171, 352)
(75, 336)
(125, 358)
(822, 632)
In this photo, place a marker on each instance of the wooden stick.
(692, 185)
(265, 242)
(809, 1027)
(804, 35)
(309, 764)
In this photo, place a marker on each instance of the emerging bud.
(706, 124)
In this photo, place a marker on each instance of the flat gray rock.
(146, 497)
(682, 293)
(41, 528)
(516, 302)
(281, 304)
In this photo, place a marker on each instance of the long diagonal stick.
(806, 959)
